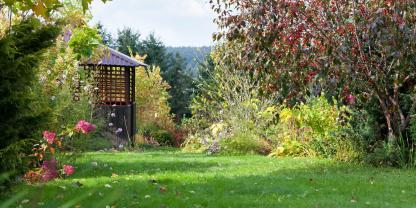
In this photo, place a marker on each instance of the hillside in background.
(192, 56)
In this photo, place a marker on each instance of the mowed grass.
(175, 179)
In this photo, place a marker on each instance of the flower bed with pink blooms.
(51, 147)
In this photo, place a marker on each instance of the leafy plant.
(346, 48)
(314, 128)
(41, 8)
(228, 105)
(50, 153)
(84, 41)
(23, 116)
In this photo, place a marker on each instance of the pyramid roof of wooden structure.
(116, 58)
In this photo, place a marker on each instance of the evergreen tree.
(107, 38)
(181, 86)
(155, 51)
(128, 40)
(22, 118)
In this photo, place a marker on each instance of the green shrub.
(241, 143)
(161, 136)
(228, 105)
(314, 128)
(22, 116)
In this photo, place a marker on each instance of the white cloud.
(177, 22)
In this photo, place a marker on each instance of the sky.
(175, 22)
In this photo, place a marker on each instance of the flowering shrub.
(49, 136)
(47, 151)
(84, 127)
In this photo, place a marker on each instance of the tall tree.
(181, 86)
(127, 40)
(107, 38)
(349, 46)
(155, 51)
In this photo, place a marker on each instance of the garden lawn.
(171, 178)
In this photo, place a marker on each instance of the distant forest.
(192, 56)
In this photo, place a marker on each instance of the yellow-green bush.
(314, 128)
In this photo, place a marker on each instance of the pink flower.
(84, 127)
(350, 99)
(49, 170)
(49, 136)
(69, 170)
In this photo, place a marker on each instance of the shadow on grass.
(87, 170)
(184, 183)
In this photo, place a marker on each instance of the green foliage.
(152, 98)
(315, 128)
(156, 135)
(153, 112)
(241, 143)
(181, 87)
(228, 106)
(128, 41)
(84, 41)
(155, 51)
(41, 8)
(64, 87)
(23, 117)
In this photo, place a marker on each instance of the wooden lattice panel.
(115, 85)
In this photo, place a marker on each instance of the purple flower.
(119, 130)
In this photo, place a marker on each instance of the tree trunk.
(393, 127)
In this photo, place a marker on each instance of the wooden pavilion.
(115, 79)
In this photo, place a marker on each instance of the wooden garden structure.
(115, 79)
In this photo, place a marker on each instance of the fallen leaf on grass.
(163, 189)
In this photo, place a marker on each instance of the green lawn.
(174, 179)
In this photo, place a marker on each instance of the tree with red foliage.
(361, 47)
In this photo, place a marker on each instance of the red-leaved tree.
(349, 47)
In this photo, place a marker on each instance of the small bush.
(314, 128)
(241, 143)
(159, 135)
